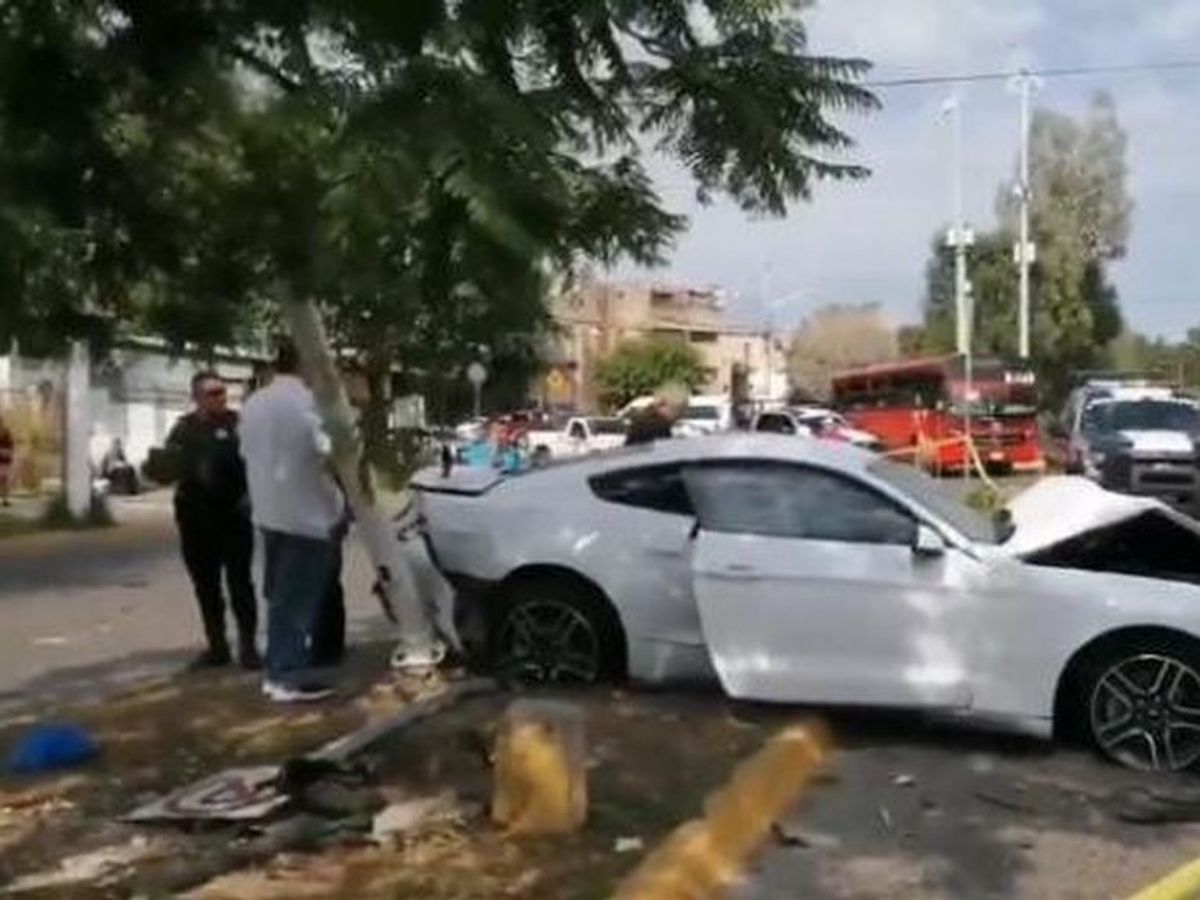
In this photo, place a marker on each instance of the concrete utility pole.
(960, 236)
(1024, 252)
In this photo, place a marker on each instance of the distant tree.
(836, 337)
(637, 368)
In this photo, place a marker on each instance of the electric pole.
(960, 236)
(1024, 252)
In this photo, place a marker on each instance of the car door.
(649, 522)
(812, 586)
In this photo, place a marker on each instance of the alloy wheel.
(548, 642)
(1145, 712)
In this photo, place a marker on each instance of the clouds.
(870, 241)
(929, 34)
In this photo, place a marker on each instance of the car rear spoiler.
(465, 480)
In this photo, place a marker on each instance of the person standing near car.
(657, 422)
(299, 509)
(212, 513)
(7, 447)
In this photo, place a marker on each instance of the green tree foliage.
(422, 169)
(1080, 211)
(637, 368)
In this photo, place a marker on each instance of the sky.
(869, 241)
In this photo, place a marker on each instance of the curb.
(1182, 884)
(704, 856)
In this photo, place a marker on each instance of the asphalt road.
(917, 812)
(88, 612)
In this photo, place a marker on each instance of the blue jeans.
(295, 580)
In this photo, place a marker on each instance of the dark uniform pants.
(213, 543)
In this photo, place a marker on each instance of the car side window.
(775, 423)
(577, 432)
(660, 488)
(791, 501)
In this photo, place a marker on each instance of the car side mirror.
(929, 542)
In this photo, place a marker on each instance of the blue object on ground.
(48, 747)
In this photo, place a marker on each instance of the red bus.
(917, 408)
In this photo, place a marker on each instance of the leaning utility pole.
(1024, 252)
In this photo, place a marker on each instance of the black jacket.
(650, 425)
(203, 460)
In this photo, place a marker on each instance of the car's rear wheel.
(555, 631)
(1141, 704)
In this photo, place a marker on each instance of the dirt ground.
(651, 761)
(908, 809)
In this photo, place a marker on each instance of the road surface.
(91, 611)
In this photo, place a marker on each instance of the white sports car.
(804, 571)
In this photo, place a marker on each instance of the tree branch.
(257, 64)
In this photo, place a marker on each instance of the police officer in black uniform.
(212, 510)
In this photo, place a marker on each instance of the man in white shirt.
(297, 505)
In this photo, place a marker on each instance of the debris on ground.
(904, 780)
(99, 868)
(1153, 807)
(790, 834)
(52, 746)
(1004, 800)
(235, 795)
(628, 845)
(405, 816)
(885, 818)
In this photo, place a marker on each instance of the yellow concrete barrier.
(701, 858)
(541, 769)
(1182, 884)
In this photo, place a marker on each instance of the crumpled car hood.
(1060, 508)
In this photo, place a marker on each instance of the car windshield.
(702, 413)
(608, 426)
(936, 498)
(1153, 415)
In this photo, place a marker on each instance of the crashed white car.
(811, 572)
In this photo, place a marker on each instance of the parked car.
(705, 414)
(780, 421)
(1145, 446)
(580, 435)
(814, 572)
(826, 423)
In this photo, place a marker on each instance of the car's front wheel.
(554, 631)
(1143, 705)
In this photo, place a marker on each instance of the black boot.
(248, 657)
(212, 658)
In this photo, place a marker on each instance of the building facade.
(598, 316)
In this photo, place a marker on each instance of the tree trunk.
(77, 430)
(419, 645)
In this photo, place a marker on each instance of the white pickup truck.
(579, 436)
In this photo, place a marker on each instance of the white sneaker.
(295, 693)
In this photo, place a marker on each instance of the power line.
(1069, 72)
